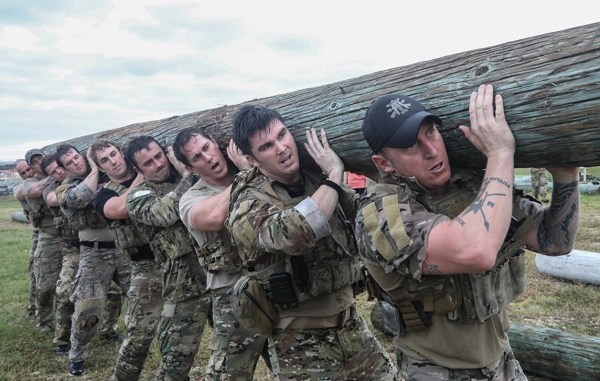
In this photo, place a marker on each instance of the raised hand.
(329, 162)
(489, 132)
(237, 157)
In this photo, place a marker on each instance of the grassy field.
(26, 354)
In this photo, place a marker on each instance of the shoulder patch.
(140, 193)
(386, 226)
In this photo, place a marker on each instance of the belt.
(98, 244)
(70, 242)
(303, 322)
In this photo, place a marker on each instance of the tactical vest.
(61, 224)
(80, 219)
(168, 241)
(125, 235)
(461, 297)
(333, 263)
(41, 215)
(219, 254)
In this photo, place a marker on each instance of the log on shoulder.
(550, 83)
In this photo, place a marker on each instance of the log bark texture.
(578, 265)
(556, 354)
(550, 84)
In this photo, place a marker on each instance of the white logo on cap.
(398, 107)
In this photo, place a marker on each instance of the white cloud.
(79, 69)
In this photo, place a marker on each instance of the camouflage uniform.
(153, 207)
(34, 240)
(448, 326)
(47, 257)
(100, 263)
(234, 349)
(144, 298)
(66, 278)
(539, 183)
(322, 336)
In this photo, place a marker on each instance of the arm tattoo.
(432, 269)
(482, 201)
(559, 227)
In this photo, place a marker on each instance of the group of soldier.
(178, 231)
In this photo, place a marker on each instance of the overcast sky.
(71, 68)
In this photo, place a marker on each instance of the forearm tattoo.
(431, 269)
(484, 199)
(557, 231)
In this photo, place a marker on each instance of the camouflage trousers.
(181, 328)
(234, 349)
(348, 352)
(64, 289)
(46, 267)
(539, 183)
(144, 304)
(30, 272)
(97, 269)
(506, 368)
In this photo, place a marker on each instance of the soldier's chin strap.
(296, 189)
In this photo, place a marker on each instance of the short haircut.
(183, 137)
(62, 150)
(136, 144)
(46, 161)
(249, 121)
(102, 144)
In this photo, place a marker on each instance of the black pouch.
(392, 321)
(281, 290)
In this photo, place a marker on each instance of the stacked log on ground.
(578, 265)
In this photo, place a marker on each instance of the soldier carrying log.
(446, 245)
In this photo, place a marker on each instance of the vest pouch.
(251, 305)
(493, 291)
(126, 236)
(172, 243)
(391, 320)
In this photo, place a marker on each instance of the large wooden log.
(578, 265)
(550, 82)
(556, 354)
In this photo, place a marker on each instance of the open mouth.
(215, 166)
(286, 159)
(438, 167)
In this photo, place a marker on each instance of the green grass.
(26, 354)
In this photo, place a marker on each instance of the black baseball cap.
(31, 153)
(393, 121)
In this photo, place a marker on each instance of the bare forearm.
(92, 180)
(470, 242)
(557, 232)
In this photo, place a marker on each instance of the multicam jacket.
(75, 200)
(393, 224)
(60, 222)
(154, 209)
(39, 212)
(270, 231)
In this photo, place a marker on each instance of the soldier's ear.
(251, 160)
(382, 163)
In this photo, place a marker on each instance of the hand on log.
(179, 166)
(324, 156)
(489, 132)
(237, 157)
